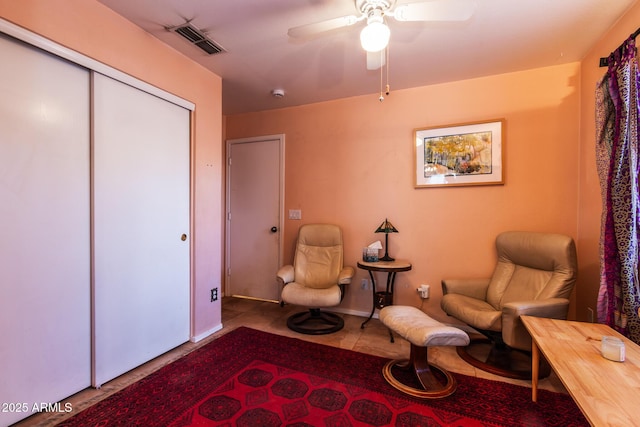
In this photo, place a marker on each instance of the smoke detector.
(277, 93)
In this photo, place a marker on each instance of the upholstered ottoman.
(422, 332)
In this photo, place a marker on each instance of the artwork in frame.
(460, 154)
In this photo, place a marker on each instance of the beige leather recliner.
(316, 279)
(534, 276)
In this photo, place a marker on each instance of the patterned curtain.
(617, 164)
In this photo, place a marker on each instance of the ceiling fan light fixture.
(375, 36)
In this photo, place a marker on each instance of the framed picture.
(461, 154)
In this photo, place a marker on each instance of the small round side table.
(383, 298)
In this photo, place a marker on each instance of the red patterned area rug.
(253, 378)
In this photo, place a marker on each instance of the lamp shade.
(375, 36)
(386, 227)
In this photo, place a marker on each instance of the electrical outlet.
(364, 284)
(214, 294)
(423, 290)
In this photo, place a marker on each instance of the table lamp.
(386, 227)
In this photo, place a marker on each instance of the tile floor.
(270, 317)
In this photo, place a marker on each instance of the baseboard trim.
(200, 337)
(352, 312)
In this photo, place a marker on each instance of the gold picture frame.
(459, 154)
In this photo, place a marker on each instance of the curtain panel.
(617, 166)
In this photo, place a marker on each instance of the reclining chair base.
(499, 359)
(315, 322)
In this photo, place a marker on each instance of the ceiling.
(502, 36)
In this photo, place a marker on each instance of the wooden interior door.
(254, 216)
(140, 230)
(44, 229)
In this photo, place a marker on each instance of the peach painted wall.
(350, 162)
(590, 202)
(92, 29)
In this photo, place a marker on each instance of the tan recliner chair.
(534, 276)
(316, 279)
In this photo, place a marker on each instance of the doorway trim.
(227, 246)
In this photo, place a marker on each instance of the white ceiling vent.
(197, 37)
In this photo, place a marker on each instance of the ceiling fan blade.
(436, 10)
(376, 60)
(309, 30)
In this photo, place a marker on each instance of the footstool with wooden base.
(421, 331)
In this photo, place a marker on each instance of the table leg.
(391, 335)
(391, 278)
(373, 302)
(535, 365)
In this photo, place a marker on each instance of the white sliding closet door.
(44, 229)
(141, 211)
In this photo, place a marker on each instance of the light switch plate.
(295, 214)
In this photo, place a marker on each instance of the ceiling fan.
(374, 37)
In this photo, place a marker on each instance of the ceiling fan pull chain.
(387, 68)
(384, 60)
(381, 78)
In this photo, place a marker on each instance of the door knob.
(274, 229)
(183, 237)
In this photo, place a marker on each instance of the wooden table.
(382, 298)
(607, 392)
